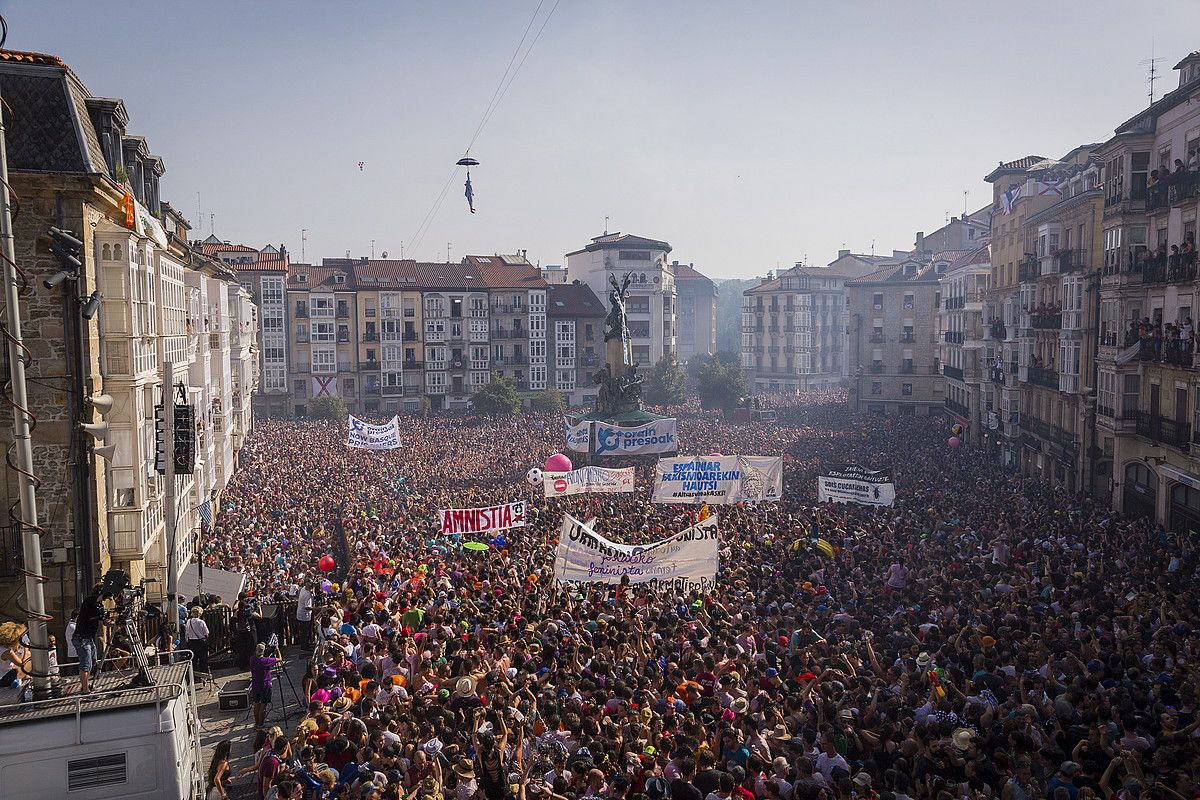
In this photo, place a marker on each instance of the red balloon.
(953, 441)
(326, 564)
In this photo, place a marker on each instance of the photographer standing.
(87, 629)
(244, 633)
(260, 680)
(195, 633)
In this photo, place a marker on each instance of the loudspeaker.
(234, 695)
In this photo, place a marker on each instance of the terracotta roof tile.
(573, 300)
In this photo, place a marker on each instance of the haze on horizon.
(749, 136)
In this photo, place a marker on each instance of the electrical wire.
(506, 80)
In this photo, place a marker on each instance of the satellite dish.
(385, 253)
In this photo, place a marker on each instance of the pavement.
(238, 726)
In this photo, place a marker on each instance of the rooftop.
(111, 694)
(618, 240)
(1019, 165)
(573, 300)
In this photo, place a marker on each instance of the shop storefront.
(1139, 491)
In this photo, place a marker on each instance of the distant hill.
(729, 312)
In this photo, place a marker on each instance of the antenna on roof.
(199, 211)
(966, 202)
(872, 247)
(401, 249)
(1153, 64)
(303, 241)
(606, 224)
(211, 222)
(372, 248)
(448, 244)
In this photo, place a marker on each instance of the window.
(370, 354)
(634, 255)
(876, 387)
(877, 301)
(324, 360)
(299, 386)
(908, 301)
(322, 332)
(906, 388)
(1130, 394)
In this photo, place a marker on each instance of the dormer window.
(302, 278)
(339, 278)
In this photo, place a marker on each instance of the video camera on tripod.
(120, 588)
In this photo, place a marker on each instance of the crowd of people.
(985, 637)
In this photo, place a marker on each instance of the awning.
(1179, 475)
(221, 582)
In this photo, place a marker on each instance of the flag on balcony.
(324, 386)
(206, 513)
(1048, 188)
(1009, 198)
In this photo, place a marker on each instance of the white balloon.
(534, 476)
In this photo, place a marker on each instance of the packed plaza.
(984, 637)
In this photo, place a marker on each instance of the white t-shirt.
(195, 628)
(826, 764)
(304, 605)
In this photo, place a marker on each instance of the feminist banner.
(483, 520)
(365, 436)
(718, 479)
(685, 561)
(578, 435)
(850, 483)
(653, 437)
(588, 479)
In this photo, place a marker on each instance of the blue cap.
(772, 672)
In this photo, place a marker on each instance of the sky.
(749, 135)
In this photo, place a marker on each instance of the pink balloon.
(714, 455)
(558, 463)
(953, 441)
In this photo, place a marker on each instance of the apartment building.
(139, 301)
(1148, 393)
(575, 322)
(1059, 295)
(696, 324)
(517, 320)
(388, 310)
(263, 273)
(322, 335)
(893, 352)
(961, 289)
(794, 326)
(1020, 189)
(651, 304)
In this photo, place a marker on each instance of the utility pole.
(172, 513)
(31, 532)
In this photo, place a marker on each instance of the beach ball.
(953, 441)
(956, 429)
(558, 463)
(326, 564)
(534, 476)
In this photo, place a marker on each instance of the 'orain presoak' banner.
(578, 435)
(588, 479)
(850, 483)
(483, 520)
(366, 436)
(653, 437)
(685, 561)
(719, 479)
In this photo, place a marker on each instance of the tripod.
(142, 677)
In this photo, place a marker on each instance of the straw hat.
(962, 738)
(740, 705)
(464, 768)
(464, 687)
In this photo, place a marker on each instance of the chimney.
(920, 239)
(843, 253)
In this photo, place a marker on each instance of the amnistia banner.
(483, 520)
(653, 437)
(577, 434)
(850, 483)
(685, 561)
(587, 479)
(720, 480)
(366, 436)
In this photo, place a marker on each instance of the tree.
(665, 384)
(497, 397)
(547, 401)
(327, 408)
(721, 384)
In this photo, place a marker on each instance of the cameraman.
(260, 680)
(87, 630)
(244, 631)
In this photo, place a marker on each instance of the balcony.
(958, 408)
(955, 337)
(952, 372)
(302, 312)
(411, 336)
(1105, 411)
(875, 369)
(1169, 353)
(343, 337)
(393, 391)
(877, 337)
(1161, 429)
(410, 364)
(1184, 189)
(1028, 269)
(1071, 260)
(1046, 321)
(1156, 198)
(370, 337)
(997, 330)
(1047, 432)
(907, 338)
(952, 303)
(907, 369)
(1044, 377)
(343, 312)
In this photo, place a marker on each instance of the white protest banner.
(850, 483)
(685, 561)
(587, 479)
(653, 437)
(577, 434)
(365, 436)
(718, 479)
(483, 520)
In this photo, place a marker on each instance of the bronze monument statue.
(620, 385)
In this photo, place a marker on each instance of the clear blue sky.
(747, 134)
